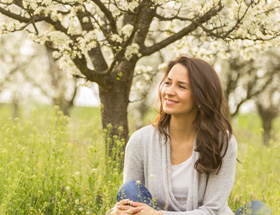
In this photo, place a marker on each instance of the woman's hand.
(145, 209)
(125, 207)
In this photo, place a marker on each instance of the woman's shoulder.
(143, 132)
(231, 145)
(144, 135)
(232, 142)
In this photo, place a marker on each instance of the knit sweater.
(147, 159)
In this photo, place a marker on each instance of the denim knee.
(254, 208)
(136, 192)
(133, 190)
(126, 188)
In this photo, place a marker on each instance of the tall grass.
(56, 172)
(258, 173)
(52, 164)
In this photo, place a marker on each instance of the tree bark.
(267, 126)
(267, 116)
(115, 100)
(15, 103)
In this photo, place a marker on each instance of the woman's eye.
(182, 87)
(166, 83)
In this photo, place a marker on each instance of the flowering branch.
(108, 15)
(185, 31)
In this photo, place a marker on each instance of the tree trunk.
(115, 100)
(63, 105)
(15, 107)
(267, 116)
(267, 126)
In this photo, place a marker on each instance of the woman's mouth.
(170, 102)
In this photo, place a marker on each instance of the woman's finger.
(123, 202)
(133, 210)
(124, 207)
(137, 204)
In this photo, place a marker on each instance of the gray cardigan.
(147, 159)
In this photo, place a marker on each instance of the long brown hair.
(213, 129)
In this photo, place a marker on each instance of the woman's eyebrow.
(180, 82)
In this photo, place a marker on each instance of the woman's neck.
(181, 129)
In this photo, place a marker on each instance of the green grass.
(51, 164)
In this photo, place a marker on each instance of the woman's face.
(176, 93)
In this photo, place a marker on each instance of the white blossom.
(132, 50)
(88, 41)
(56, 54)
(130, 5)
(162, 66)
(7, 1)
(85, 19)
(127, 30)
(116, 38)
(73, 26)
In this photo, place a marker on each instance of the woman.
(187, 158)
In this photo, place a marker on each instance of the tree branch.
(238, 21)
(91, 75)
(108, 15)
(185, 31)
(71, 101)
(34, 83)
(9, 76)
(95, 54)
(14, 16)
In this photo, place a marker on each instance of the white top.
(181, 180)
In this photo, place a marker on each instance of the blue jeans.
(137, 192)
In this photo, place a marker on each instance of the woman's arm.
(133, 164)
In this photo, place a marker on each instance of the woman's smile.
(170, 102)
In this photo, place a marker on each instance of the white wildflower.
(93, 170)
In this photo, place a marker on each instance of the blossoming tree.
(102, 40)
(268, 103)
(19, 66)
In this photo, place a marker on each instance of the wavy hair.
(212, 121)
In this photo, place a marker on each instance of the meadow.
(52, 164)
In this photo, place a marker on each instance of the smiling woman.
(176, 93)
(184, 164)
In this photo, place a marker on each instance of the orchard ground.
(52, 164)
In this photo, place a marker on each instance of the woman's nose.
(170, 91)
